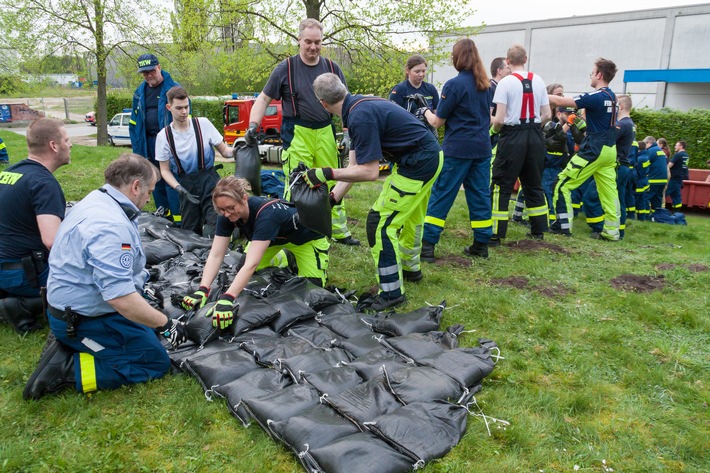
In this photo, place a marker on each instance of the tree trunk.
(312, 8)
(101, 118)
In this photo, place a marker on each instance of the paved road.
(74, 130)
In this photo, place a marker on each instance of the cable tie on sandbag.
(498, 356)
(366, 323)
(419, 464)
(303, 453)
(463, 396)
(322, 398)
(208, 393)
(484, 416)
(379, 338)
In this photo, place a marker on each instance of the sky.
(514, 11)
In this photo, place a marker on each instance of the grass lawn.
(594, 377)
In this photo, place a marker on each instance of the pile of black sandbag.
(345, 391)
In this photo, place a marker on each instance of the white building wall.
(563, 51)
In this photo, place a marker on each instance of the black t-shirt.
(625, 136)
(309, 108)
(27, 189)
(152, 95)
(679, 170)
(273, 220)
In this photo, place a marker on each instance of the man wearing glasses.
(149, 115)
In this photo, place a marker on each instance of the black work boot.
(412, 276)
(427, 254)
(23, 313)
(54, 372)
(477, 250)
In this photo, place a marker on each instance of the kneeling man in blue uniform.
(102, 327)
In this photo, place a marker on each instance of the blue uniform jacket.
(658, 171)
(136, 127)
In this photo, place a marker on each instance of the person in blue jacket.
(678, 167)
(149, 115)
(464, 110)
(4, 158)
(643, 212)
(413, 83)
(658, 173)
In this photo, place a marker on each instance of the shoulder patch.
(126, 260)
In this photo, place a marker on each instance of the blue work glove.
(193, 199)
(223, 312)
(250, 135)
(175, 331)
(317, 176)
(196, 299)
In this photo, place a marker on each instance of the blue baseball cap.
(147, 62)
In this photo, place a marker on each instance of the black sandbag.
(200, 329)
(216, 369)
(157, 251)
(318, 335)
(152, 224)
(233, 261)
(313, 362)
(264, 332)
(268, 350)
(253, 312)
(258, 285)
(248, 166)
(421, 384)
(313, 428)
(179, 355)
(363, 452)
(346, 325)
(314, 296)
(370, 364)
(275, 276)
(313, 205)
(468, 366)
(422, 320)
(254, 384)
(420, 345)
(334, 380)
(359, 346)
(344, 308)
(291, 310)
(280, 405)
(186, 239)
(424, 431)
(364, 402)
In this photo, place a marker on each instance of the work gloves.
(420, 114)
(223, 312)
(419, 100)
(317, 176)
(184, 194)
(573, 119)
(250, 135)
(195, 300)
(175, 331)
(154, 297)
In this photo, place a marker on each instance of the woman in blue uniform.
(465, 112)
(413, 83)
(270, 225)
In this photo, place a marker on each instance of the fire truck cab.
(236, 121)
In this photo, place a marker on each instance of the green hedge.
(692, 126)
(116, 102)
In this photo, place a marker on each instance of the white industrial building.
(662, 54)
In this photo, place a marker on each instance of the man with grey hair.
(380, 128)
(31, 208)
(101, 321)
(307, 132)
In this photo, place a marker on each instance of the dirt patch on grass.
(453, 260)
(693, 268)
(536, 245)
(554, 290)
(666, 266)
(636, 283)
(518, 282)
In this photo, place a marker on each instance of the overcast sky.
(512, 11)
